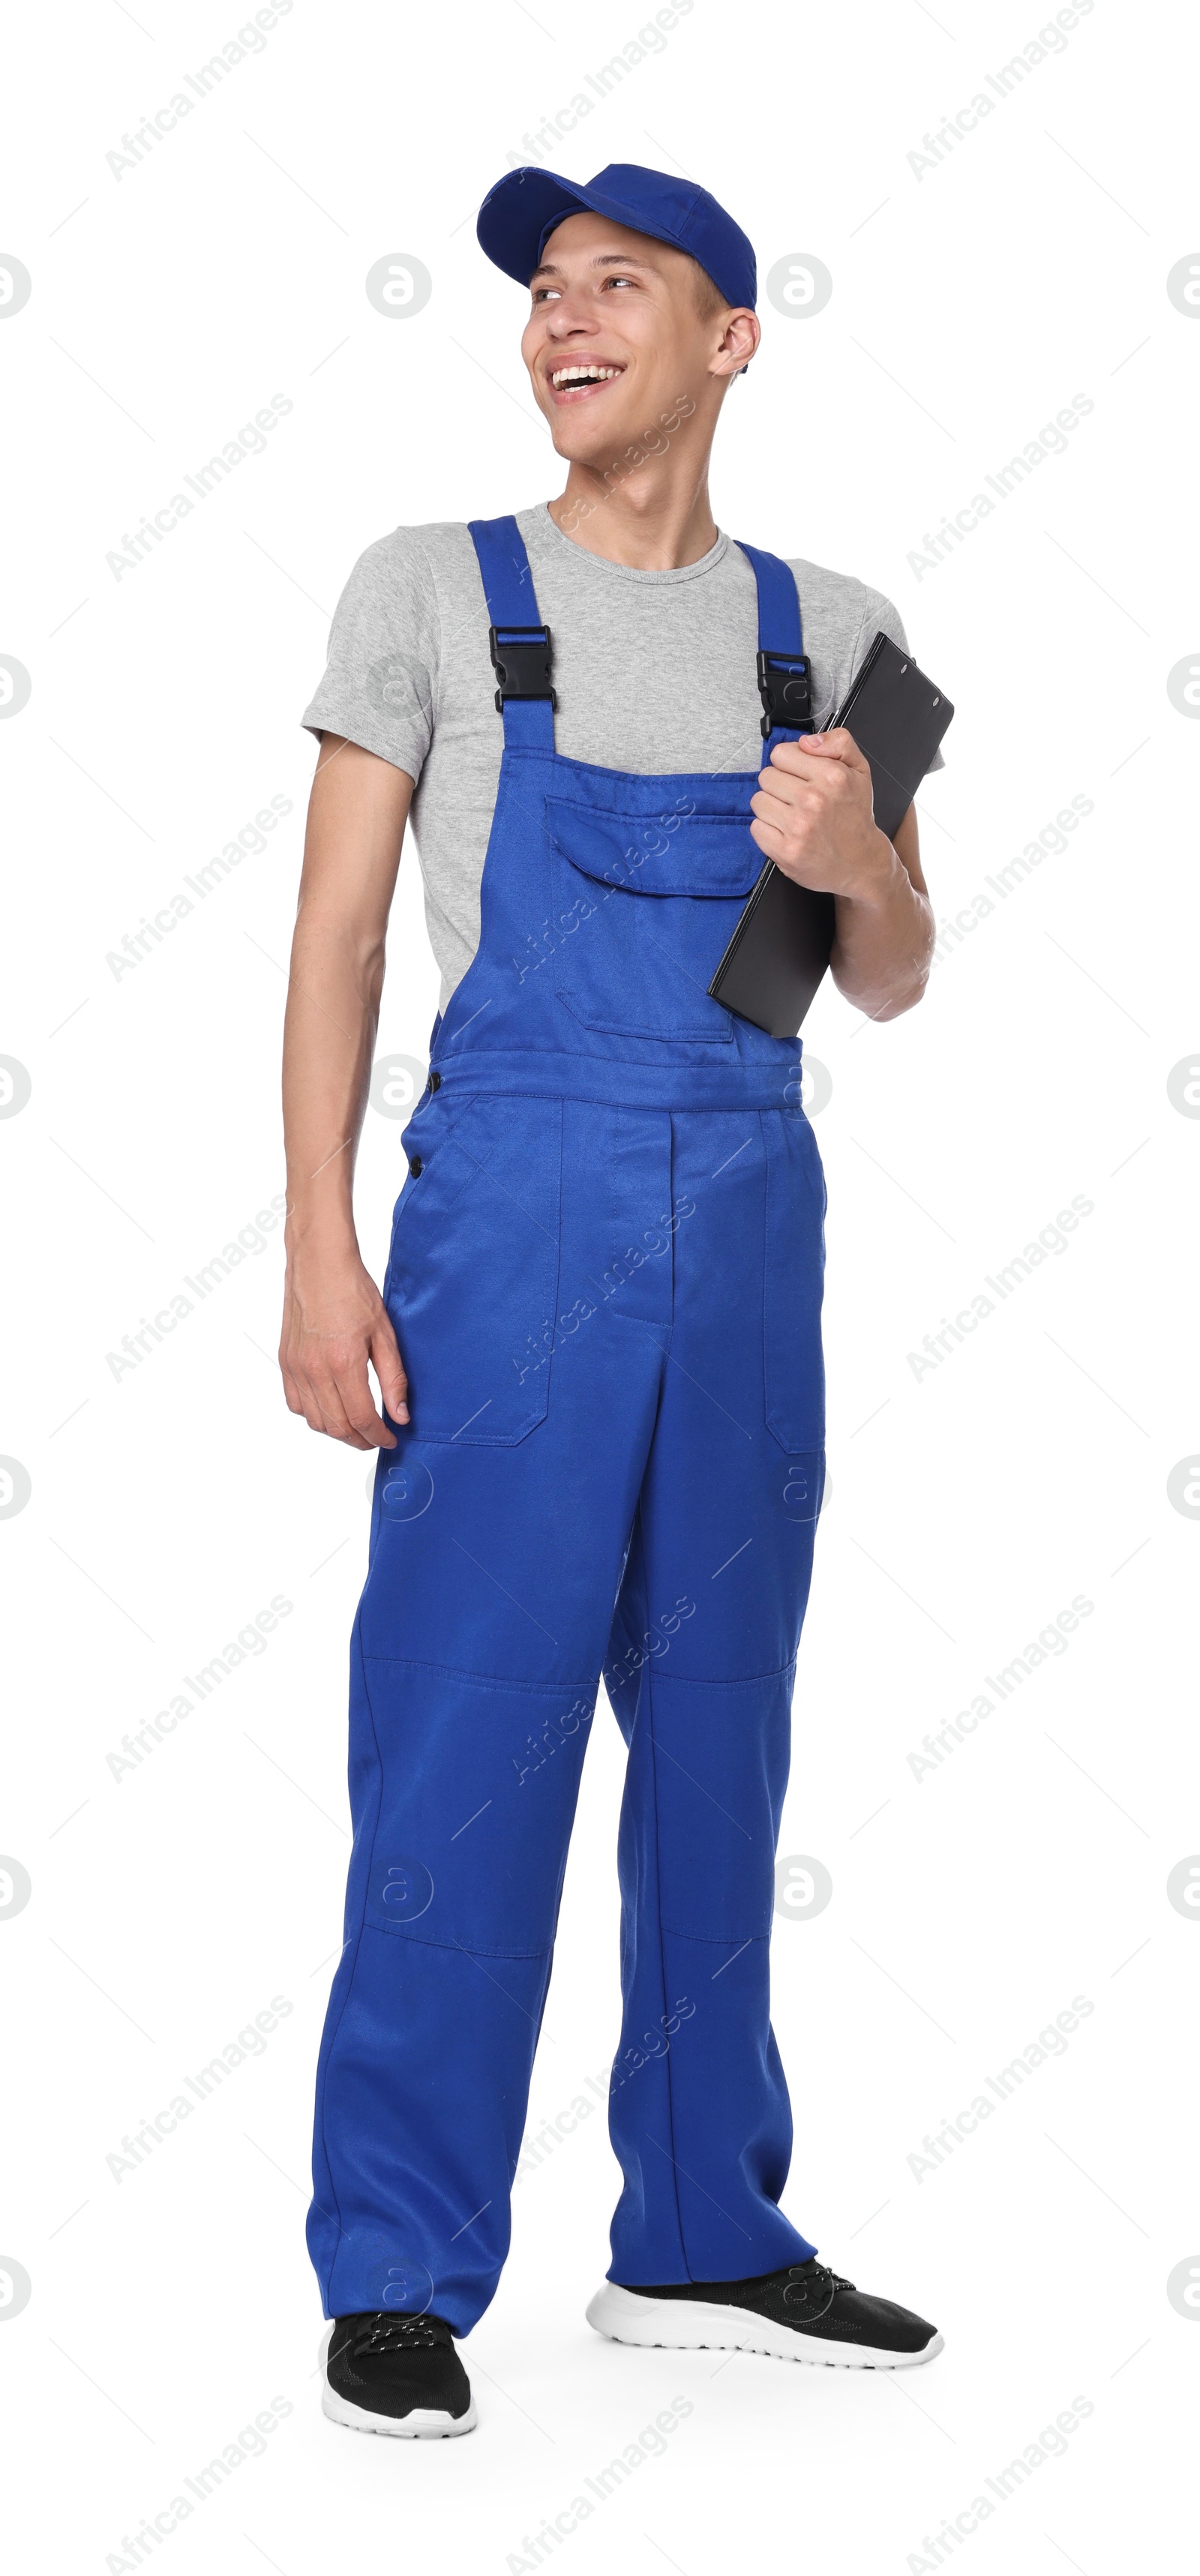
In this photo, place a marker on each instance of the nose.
(565, 320)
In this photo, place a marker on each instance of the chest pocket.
(642, 911)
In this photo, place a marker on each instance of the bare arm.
(813, 816)
(334, 1319)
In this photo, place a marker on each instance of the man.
(598, 1343)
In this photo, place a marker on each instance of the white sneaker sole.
(689, 2325)
(425, 2424)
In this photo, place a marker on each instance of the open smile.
(580, 380)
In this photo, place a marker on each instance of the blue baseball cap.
(519, 214)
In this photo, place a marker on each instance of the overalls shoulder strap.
(519, 643)
(784, 676)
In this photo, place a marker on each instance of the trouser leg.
(700, 1671)
(476, 1658)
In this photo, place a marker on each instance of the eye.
(543, 294)
(620, 281)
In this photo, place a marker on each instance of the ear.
(740, 337)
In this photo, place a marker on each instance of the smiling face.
(623, 332)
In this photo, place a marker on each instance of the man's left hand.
(813, 815)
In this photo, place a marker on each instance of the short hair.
(708, 296)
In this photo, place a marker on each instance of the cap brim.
(519, 211)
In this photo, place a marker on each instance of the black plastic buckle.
(521, 662)
(785, 687)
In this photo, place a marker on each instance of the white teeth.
(582, 376)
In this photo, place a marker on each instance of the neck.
(656, 519)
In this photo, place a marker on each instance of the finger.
(311, 1405)
(784, 809)
(770, 839)
(839, 741)
(350, 1418)
(790, 852)
(782, 787)
(311, 1410)
(364, 1417)
(332, 1373)
(284, 1358)
(299, 1396)
(837, 744)
(801, 776)
(389, 1369)
(324, 1409)
(353, 1392)
(791, 760)
(792, 764)
(291, 1392)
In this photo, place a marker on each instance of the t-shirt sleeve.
(879, 612)
(380, 679)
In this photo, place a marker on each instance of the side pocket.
(793, 1282)
(473, 1274)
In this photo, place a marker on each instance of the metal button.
(416, 1167)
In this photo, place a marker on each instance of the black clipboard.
(781, 944)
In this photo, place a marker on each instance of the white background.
(969, 1506)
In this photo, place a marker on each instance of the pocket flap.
(687, 853)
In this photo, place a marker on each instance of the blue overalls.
(605, 1278)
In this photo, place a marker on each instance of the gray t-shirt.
(654, 672)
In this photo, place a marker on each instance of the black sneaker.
(805, 2313)
(388, 2373)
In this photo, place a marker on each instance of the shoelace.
(390, 2331)
(813, 2286)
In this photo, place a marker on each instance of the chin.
(581, 443)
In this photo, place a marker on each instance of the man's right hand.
(334, 1321)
